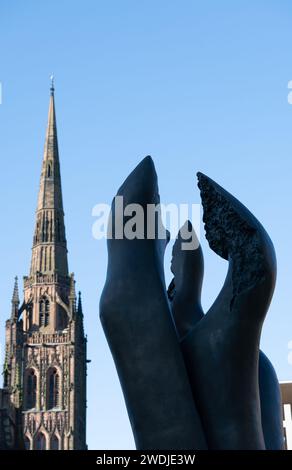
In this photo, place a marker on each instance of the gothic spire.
(15, 299)
(49, 243)
(50, 194)
(15, 296)
(79, 308)
(80, 316)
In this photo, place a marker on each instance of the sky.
(198, 85)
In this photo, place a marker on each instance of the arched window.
(31, 389)
(26, 443)
(47, 312)
(29, 317)
(49, 170)
(40, 442)
(55, 443)
(53, 388)
(44, 312)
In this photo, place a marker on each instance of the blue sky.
(197, 85)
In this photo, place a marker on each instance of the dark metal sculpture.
(185, 296)
(136, 318)
(190, 380)
(271, 404)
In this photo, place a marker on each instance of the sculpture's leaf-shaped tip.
(141, 185)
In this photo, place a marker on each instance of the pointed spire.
(49, 243)
(15, 301)
(79, 308)
(15, 296)
(79, 317)
(52, 89)
(50, 194)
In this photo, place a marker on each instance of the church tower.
(45, 364)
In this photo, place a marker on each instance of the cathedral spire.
(45, 352)
(49, 244)
(50, 194)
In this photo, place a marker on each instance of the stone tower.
(45, 365)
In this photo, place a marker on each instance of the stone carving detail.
(46, 279)
(49, 421)
(33, 359)
(48, 338)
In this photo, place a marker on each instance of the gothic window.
(40, 443)
(53, 388)
(44, 312)
(49, 170)
(31, 389)
(47, 312)
(55, 443)
(29, 317)
(26, 443)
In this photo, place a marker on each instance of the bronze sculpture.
(172, 360)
